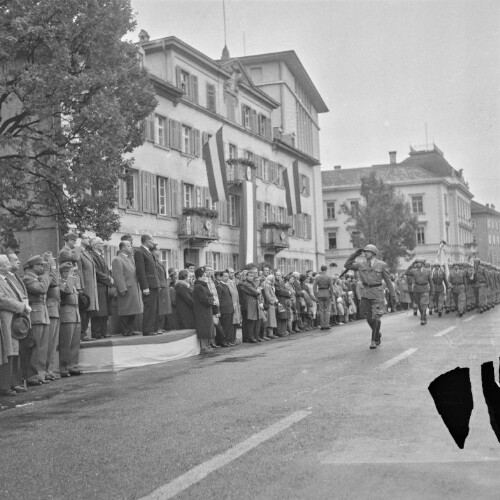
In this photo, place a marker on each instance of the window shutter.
(207, 200)
(154, 194)
(168, 196)
(309, 227)
(150, 127)
(196, 142)
(175, 259)
(122, 194)
(243, 115)
(177, 136)
(166, 138)
(211, 100)
(146, 191)
(258, 162)
(260, 215)
(174, 197)
(253, 121)
(204, 138)
(194, 88)
(178, 77)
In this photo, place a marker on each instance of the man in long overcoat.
(203, 314)
(99, 325)
(147, 275)
(88, 282)
(184, 301)
(127, 287)
(250, 306)
(10, 303)
(164, 304)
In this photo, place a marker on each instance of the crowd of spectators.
(75, 297)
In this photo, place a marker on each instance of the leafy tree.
(73, 95)
(384, 219)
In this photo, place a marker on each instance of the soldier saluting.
(371, 273)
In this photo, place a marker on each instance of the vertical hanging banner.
(292, 189)
(213, 154)
(442, 258)
(248, 233)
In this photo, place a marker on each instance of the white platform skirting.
(116, 356)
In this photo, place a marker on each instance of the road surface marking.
(470, 318)
(397, 359)
(201, 471)
(444, 332)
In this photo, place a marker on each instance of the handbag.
(281, 312)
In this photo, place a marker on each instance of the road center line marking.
(470, 318)
(445, 331)
(397, 359)
(201, 471)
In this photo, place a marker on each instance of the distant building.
(486, 232)
(268, 108)
(437, 193)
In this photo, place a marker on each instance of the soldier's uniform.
(470, 300)
(481, 287)
(457, 281)
(323, 291)
(53, 310)
(371, 273)
(37, 287)
(441, 285)
(422, 287)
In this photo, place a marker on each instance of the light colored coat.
(9, 304)
(88, 278)
(236, 302)
(124, 274)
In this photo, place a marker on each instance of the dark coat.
(249, 299)
(225, 298)
(129, 295)
(103, 276)
(164, 305)
(184, 305)
(282, 294)
(145, 266)
(202, 310)
(88, 278)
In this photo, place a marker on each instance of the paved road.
(312, 416)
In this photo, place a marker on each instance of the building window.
(188, 195)
(233, 151)
(305, 188)
(166, 258)
(132, 189)
(421, 236)
(199, 203)
(211, 102)
(280, 215)
(332, 241)
(235, 259)
(161, 131)
(417, 204)
(184, 81)
(245, 119)
(216, 261)
(330, 210)
(262, 125)
(267, 212)
(280, 180)
(266, 171)
(186, 140)
(233, 210)
(163, 201)
(446, 204)
(354, 207)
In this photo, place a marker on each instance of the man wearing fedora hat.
(37, 281)
(69, 336)
(10, 304)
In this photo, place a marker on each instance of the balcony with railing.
(200, 228)
(274, 236)
(239, 170)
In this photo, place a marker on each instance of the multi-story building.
(269, 120)
(486, 232)
(437, 193)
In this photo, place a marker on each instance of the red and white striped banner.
(248, 232)
(292, 189)
(213, 154)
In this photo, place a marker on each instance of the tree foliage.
(384, 219)
(73, 96)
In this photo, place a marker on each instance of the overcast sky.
(384, 69)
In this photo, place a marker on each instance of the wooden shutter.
(154, 194)
(176, 135)
(253, 121)
(174, 197)
(309, 227)
(149, 128)
(243, 115)
(178, 77)
(207, 200)
(175, 259)
(260, 214)
(194, 88)
(196, 142)
(168, 197)
(122, 194)
(146, 191)
(166, 138)
(211, 98)
(258, 162)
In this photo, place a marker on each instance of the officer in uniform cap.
(422, 287)
(371, 272)
(37, 281)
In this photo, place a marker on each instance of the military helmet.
(371, 248)
(420, 259)
(436, 264)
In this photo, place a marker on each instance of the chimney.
(487, 205)
(492, 206)
(392, 157)
(144, 36)
(337, 167)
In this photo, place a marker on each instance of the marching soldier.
(422, 287)
(457, 281)
(480, 274)
(470, 300)
(441, 285)
(371, 274)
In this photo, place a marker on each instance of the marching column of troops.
(46, 312)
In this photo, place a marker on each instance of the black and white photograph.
(249, 249)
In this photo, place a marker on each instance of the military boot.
(376, 330)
